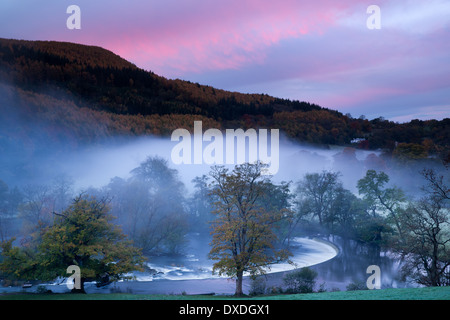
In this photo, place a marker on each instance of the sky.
(325, 52)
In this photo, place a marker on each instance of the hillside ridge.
(87, 92)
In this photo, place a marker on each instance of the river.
(337, 262)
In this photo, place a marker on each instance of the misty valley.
(334, 210)
(122, 181)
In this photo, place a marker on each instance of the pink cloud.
(197, 35)
(319, 51)
(212, 35)
(352, 99)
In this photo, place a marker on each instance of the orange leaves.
(243, 232)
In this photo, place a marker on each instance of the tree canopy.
(243, 231)
(82, 236)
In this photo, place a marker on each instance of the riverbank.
(194, 276)
(338, 264)
(427, 293)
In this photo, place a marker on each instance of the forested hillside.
(85, 93)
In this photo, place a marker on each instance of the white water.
(306, 252)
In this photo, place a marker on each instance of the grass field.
(431, 293)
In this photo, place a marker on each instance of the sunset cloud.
(319, 51)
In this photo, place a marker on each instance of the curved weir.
(306, 252)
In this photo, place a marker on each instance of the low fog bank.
(36, 148)
(94, 166)
(36, 186)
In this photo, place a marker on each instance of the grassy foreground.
(430, 293)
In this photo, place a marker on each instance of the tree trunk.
(434, 274)
(81, 289)
(239, 279)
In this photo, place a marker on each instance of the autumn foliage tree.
(83, 236)
(244, 229)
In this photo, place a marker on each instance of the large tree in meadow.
(244, 229)
(81, 236)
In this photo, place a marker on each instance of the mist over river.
(337, 262)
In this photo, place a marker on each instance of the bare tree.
(37, 207)
(426, 245)
(316, 192)
(437, 186)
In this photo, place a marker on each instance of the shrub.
(43, 290)
(300, 281)
(258, 286)
(275, 290)
(356, 285)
